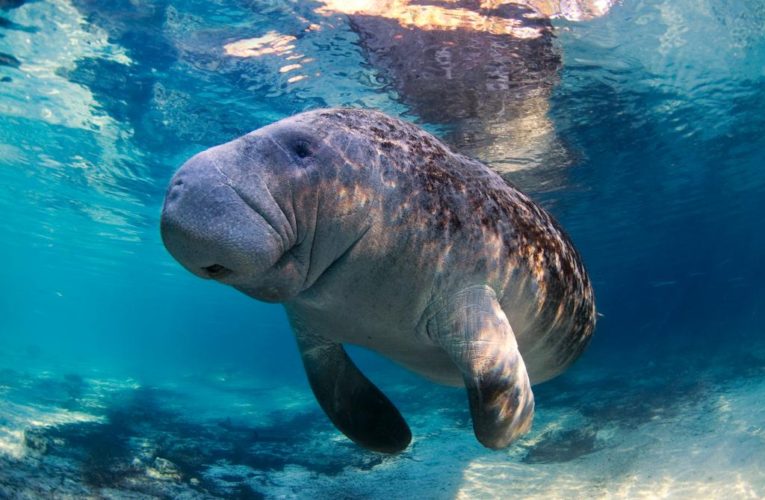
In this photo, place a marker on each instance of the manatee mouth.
(216, 271)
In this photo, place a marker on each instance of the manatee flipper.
(476, 334)
(353, 403)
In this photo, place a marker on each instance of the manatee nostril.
(175, 190)
(216, 271)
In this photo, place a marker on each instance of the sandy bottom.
(663, 431)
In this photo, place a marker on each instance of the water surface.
(643, 133)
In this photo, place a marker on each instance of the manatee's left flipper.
(353, 403)
(476, 334)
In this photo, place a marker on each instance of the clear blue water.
(659, 108)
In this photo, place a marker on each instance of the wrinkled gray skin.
(371, 232)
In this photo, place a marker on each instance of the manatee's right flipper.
(474, 331)
(356, 407)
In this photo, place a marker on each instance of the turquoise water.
(122, 373)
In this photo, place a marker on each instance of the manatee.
(372, 232)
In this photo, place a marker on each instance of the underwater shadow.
(148, 441)
(144, 444)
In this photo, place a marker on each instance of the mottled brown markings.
(449, 194)
(440, 182)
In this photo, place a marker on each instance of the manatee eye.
(302, 149)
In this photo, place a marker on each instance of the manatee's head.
(269, 212)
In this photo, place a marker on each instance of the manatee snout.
(212, 231)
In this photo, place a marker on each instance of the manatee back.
(477, 228)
